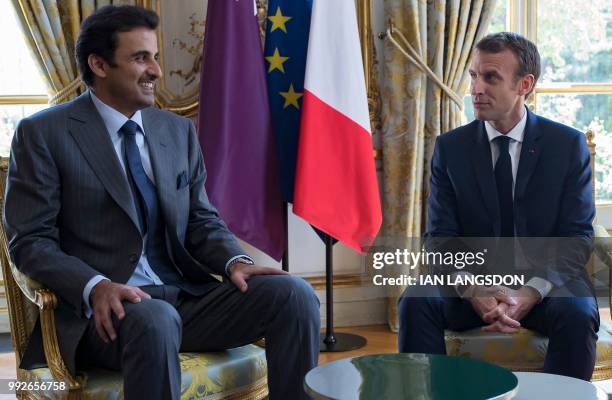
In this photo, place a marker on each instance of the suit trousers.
(570, 323)
(282, 309)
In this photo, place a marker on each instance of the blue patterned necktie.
(504, 181)
(145, 198)
(150, 215)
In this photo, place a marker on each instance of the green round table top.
(410, 376)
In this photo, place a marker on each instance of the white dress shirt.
(515, 145)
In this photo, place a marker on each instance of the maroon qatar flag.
(235, 129)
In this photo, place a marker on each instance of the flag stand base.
(337, 342)
(330, 341)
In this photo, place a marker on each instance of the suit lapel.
(530, 152)
(88, 130)
(483, 170)
(162, 152)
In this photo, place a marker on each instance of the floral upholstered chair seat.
(231, 374)
(523, 351)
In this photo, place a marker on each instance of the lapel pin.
(531, 151)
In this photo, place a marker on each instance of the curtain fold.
(415, 111)
(51, 28)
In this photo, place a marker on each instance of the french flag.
(336, 189)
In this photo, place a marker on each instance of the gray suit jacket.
(69, 212)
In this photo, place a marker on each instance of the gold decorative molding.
(562, 87)
(193, 50)
(262, 12)
(340, 281)
(590, 138)
(47, 301)
(189, 110)
(370, 62)
(186, 102)
(27, 99)
(256, 391)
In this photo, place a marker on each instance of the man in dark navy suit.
(511, 173)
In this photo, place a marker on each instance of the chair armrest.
(603, 245)
(46, 301)
(603, 251)
(27, 285)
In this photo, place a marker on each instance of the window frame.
(15, 99)
(23, 100)
(522, 18)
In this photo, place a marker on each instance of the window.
(575, 42)
(574, 38)
(22, 88)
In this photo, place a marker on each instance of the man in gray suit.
(106, 205)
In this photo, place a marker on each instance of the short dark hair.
(525, 50)
(99, 34)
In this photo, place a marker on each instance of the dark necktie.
(150, 215)
(503, 179)
(145, 198)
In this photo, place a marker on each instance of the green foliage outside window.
(575, 41)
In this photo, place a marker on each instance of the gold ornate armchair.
(239, 373)
(525, 350)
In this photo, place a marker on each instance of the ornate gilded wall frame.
(180, 38)
(370, 63)
(194, 49)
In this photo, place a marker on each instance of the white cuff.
(541, 285)
(87, 291)
(231, 261)
(467, 292)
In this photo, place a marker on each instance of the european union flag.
(285, 53)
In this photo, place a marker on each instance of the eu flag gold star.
(279, 21)
(291, 97)
(276, 61)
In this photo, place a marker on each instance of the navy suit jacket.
(553, 191)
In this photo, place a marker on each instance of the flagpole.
(330, 341)
(285, 261)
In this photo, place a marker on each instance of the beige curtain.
(51, 28)
(415, 110)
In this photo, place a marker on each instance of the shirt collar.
(113, 119)
(517, 133)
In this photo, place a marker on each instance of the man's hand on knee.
(106, 297)
(240, 273)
